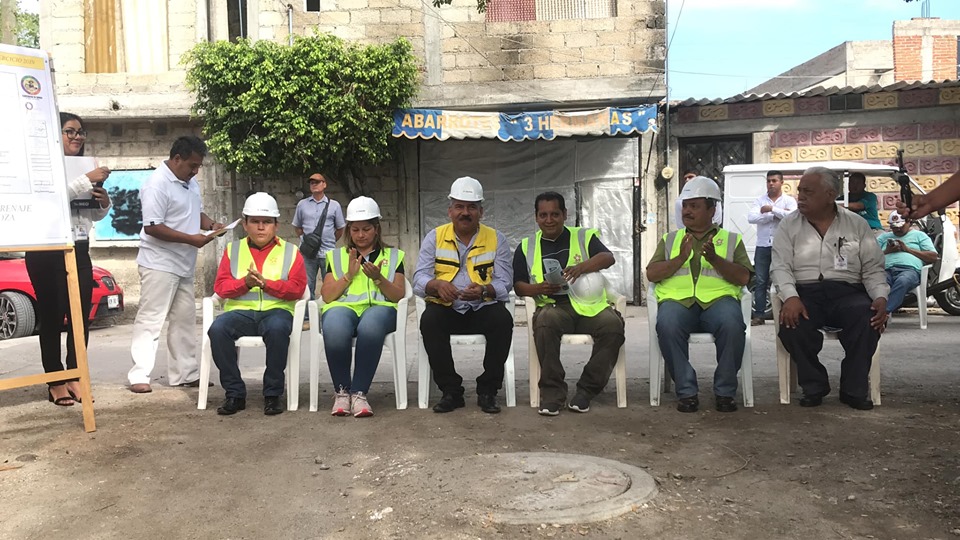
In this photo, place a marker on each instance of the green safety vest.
(579, 240)
(362, 291)
(709, 285)
(276, 266)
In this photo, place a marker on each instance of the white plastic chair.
(620, 371)
(921, 293)
(395, 341)
(425, 380)
(291, 373)
(787, 370)
(660, 384)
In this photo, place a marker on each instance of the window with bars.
(549, 10)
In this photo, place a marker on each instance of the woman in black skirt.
(48, 273)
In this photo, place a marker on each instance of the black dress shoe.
(232, 405)
(861, 404)
(726, 404)
(271, 405)
(448, 403)
(813, 400)
(688, 404)
(488, 403)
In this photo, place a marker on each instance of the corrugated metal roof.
(819, 91)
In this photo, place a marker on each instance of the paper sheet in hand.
(553, 274)
(223, 230)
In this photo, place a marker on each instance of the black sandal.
(60, 401)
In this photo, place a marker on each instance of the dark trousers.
(838, 305)
(273, 326)
(550, 323)
(48, 275)
(438, 323)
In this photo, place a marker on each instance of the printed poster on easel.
(34, 207)
(34, 210)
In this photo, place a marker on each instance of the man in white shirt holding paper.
(172, 220)
(766, 213)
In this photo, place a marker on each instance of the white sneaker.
(359, 406)
(341, 404)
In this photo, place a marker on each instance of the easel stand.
(82, 371)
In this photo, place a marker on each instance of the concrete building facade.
(118, 65)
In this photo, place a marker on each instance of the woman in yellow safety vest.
(360, 292)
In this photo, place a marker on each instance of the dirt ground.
(168, 470)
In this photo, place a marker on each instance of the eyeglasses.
(75, 133)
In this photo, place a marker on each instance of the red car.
(18, 301)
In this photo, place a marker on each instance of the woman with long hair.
(48, 274)
(363, 284)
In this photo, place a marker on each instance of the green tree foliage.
(28, 29)
(320, 104)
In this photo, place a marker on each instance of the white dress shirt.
(801, 256)
(767, 222)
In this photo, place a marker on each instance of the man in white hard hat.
(766, 213)
(464, 273)
(261, 277)
(678, 206)
(905, 252)
(700, 271)
(565, 309)
(173, 217)
(828, 271)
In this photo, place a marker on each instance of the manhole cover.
(540, 487)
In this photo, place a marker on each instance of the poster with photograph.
(123, 222)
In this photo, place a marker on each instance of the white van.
(742, 184)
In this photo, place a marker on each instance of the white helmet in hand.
(701, 187)
(261, 204)
(362, 209)
(588, 288)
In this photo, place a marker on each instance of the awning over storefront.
(442, 125)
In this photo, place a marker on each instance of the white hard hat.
(700, 187)
(261, 204)
(895, 219)
(588, 288)
(466, 188)
(362, 209)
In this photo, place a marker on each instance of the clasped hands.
(707, 251)
(358, 264)
(448, 292)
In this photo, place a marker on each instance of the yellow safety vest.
(479, 261)
(362, 291)
(579, 241)
(276, 266)
(709, 285)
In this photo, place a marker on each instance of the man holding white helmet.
(261, 277)
(578, 308)
(905, 252)
(464, 273)
(700, 271)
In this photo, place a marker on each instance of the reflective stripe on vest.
(362, 291)
(709, 285)
(479, 259)
(578, 248)
(274, 269)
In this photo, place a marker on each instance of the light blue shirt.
(307, 216)
(502, 271)
(914, 239)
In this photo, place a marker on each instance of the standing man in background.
(319, 223)
(766, 213)
(172, 220)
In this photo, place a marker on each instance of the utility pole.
(8, 22)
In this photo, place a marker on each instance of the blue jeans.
(340, 325)
(761, 263)
(273, 326)
(901, 279)
(315, 268)
(724, 320)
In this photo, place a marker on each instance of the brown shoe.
(756, 321)
(141, 388)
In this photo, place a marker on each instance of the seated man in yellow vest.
(464, 273)
(567, 309)
(699, 271)
(261, 277)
